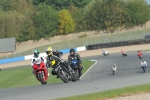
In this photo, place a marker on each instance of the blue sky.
(148, 1)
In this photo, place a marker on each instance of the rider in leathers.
(53, 55)
(144, 64)
(76, 56)
(37, 57)
(114, 67)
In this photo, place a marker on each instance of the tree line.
(36, 19)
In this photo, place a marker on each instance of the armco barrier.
(9, 60)
(28, 57)
(117, 44)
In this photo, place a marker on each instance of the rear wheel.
(113, 72)
(62, 76)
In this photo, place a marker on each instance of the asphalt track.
(98, 78)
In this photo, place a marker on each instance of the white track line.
(89, 68)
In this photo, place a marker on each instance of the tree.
(80, 3)
(11, 24)
(78, 16)
(105, 15)
(66, 23)
(94, 16)
(62, 4)
(45, 21)
(138, 11)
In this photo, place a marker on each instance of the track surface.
(98, 78)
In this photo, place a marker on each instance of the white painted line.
(89, 68)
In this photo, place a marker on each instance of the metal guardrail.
(117, 44)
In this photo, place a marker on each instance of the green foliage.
(66, 23)
(112, 14)
(11, 24)
(138, 11)
(36, 19)
(62, 4)
(45, 21)
(78, 16)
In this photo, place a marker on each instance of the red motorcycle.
(140, 55)
(41, 72)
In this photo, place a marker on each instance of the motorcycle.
(144, 68)
(105, 53)
(41, 72)
(64, 74)
(140, 55)
(75, 65)
(124, 55)
(71, 72)
(114, 71)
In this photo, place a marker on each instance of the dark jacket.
(75, 56)
(56, 55)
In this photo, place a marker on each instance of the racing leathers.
(52, 57)
(123, 52)
(37, 60)
(143, 64)
(55, 55)
(114, 68)
(104, 52)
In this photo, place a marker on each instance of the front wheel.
(144, 69)
(41, 79)
(74, 77)
(62, 76)
(113, 72)
(78, 73)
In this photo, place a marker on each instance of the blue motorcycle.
(75, 65)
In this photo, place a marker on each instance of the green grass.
(87, 41)
(19, 77)
(111, 93)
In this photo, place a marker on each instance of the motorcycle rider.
(52, 55)
(76, 56)
(140, 53)
(144, 64)
(123, 52)
(104, 52)
(36, 57)
(114, 67)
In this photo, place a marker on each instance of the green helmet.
(36, 53)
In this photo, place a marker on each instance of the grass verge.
(112, 93)
(19, 77)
